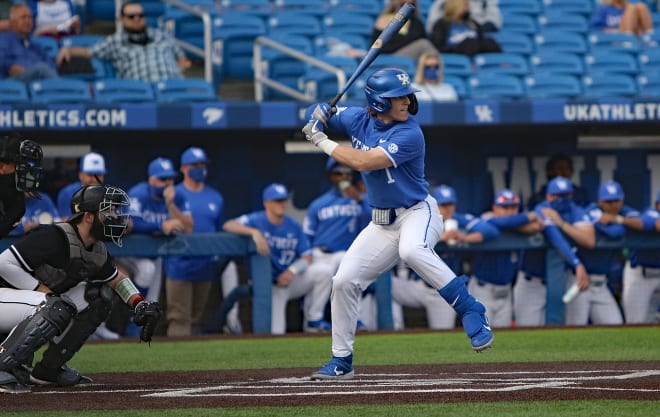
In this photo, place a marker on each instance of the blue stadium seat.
(561, 41)
(346, 21)
(613, 62)
(294, 22)
(527, 7)
(519, 23)
(60, 90)
(459, 85)
(186, 26)
(368, 7)
(583, 7)
(394, 61)
(514, 42)
(117, 90)
(48, 43)
(501, 63)
(609, 85)
(13, 91)
(184, 90)
(153, 9)
(260, 8)
(650, 40)
(457, 64)
(614, 42)
(649, 84)
(233, 39)
(284, 68)
(551, 85)
(322, 84)
(649, 60)
(557, 62)
(103, 10)
(86, 40)
(496, 86)
(334, 43)
(102, 69)
(317, 8)
(569, 22)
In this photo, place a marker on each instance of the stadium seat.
(557, 62)
(153, 9)
(614, 42)
(233, 39)
(459, 85)
(569, 22)
(60, 90)
(346, 21)
(260, 8)
(514, 42)
(294, 22)
(371, 8)
(561, 41)
(501, 63)
(321, 84)
(186, 26)
(519, 23)
(315, 8)
(613, 62)
(86, 40)
(649, 84)
(583, 7)
(336, 43)
(457, 64)
(394, 61)
(650, 60)
(551, 85)
(48, 43)
(496, 86)
(184, 90)
(609, 85)
(526, 7)
(116, 90)
(101, 69)
(282, 67)
(13, 91)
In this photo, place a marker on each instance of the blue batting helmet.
(389, 83)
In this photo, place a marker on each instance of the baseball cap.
(161, 168)
(444, 194)
(92, 163)
(610, 191)
(560, 185)
(506, 197)
(275, 191)
(333, 166)
(193, 155)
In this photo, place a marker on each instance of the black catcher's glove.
(147, 314)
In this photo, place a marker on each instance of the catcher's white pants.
(315, 284)
(411, 238)
(498, 300)
(638, 293)
(596, 303)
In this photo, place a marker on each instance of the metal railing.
(261, 77)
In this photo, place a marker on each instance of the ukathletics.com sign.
(62, 118)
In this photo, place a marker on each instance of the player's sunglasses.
(134, 16)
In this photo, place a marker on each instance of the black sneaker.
(64, 377)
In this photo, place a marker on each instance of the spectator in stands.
(641, 275)
(294, 274)
(458, 32)
(564, 223)
(91, 172)
(484, 12)
(39, 209)
(559, 165)
(189, 278)
(20, 57)
(156, 208)
(137, 52)
(411, 41)
(493, 272)
(56, 18)
(428, 80)
(622, 16)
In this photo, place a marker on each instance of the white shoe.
(103, 333)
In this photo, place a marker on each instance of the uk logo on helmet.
(404, 78)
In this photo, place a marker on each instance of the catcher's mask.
(111, 204)
(27, 156)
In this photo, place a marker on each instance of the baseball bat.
(390, 30)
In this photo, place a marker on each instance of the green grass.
(541, 345)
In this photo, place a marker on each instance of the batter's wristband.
(125, 289)
(328, 146)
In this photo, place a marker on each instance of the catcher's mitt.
(147, 314)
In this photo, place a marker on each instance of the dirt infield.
(372, 385)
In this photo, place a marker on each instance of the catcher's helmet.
(27, 156)
(110, 201)
(389, 83)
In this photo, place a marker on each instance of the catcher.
(56, 286)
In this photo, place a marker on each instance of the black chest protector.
(83, 264)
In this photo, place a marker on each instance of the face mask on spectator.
(431, 73)
(197, 174)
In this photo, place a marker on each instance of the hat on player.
(332, 166)
(506, 198)
(92, 163)
(444, 194)
(610, 191)
(560, 185)
(193, 155)
(275, 191)
(162, 168)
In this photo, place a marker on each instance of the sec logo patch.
(392, 148)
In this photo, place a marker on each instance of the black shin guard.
(48, 321)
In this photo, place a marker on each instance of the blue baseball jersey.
(453, 259)
(401, 185)
(496, 267)
(206, 209)
(333, 221)
(35, 211)
(601, 261)
(606, 17)
(286, 241)
(533, 261)
(149, 213)
(646, 257)
(64, 198)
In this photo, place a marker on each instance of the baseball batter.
(388, 148)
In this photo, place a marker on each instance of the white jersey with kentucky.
(401, 185)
